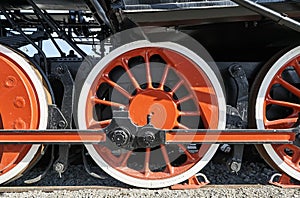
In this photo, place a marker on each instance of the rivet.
(19, 102)
(10, 81)
(19, 124)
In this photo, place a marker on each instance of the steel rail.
(20, 189)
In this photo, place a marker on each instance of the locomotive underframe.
(92, 21)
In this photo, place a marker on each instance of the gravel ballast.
(253, 171)
(258, 191)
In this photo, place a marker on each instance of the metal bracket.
(234, 119)
(235, 163)
(56, 119)
(88, 169)
(61, 164)
(280, 18)
(192, 183)
(62, 73)
(239, 76)
(238, 116)
(284, 181)
(44, 173)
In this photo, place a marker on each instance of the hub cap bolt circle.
(120, 137)
(149, 138)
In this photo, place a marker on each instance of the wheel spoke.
(189, 113)
(116, 86)
(283, 103)
(124, 158)
(147, 162)
(184, 99)
(99, 124)
(283, 122)
(288, 86)
(107, 103)
(296, 66)
(176, 87)
(131, 76)
(166, 158)
(164, 78)
(296, 157)
(148, 71)
(181, 126)
(187, 153)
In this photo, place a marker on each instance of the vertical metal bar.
(55, 27)
(101, 13)
(19, 29)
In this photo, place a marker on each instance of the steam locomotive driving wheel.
(23, 106)
(167, 82)
(276, 98)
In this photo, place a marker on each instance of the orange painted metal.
(192, 183)
(284, 181)
(232, 136)
(143, 91)
(287, 121)
(253, 136)
(156, 103)
(51, 137)
(19, 109)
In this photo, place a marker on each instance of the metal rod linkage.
(54, 26)
(175, 136)
(279, 18)
(236, 136)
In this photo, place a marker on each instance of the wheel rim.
(277, 107)
(156, 93)
(23, 106)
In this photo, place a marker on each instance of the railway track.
(100, 191)
(18, 189)
(251, 181)
(149, 106)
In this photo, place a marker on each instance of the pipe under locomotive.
(151, 88)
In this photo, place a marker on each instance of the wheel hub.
(157, 103)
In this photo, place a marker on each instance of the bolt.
(235, 166)
(10, 82)
(120, 137)
(59, 168)
(60, 70)
(121, 108)
(149, 117)
(19, 124)
(61, 124)
(19, 102)
(239, 124)
(149, 138)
